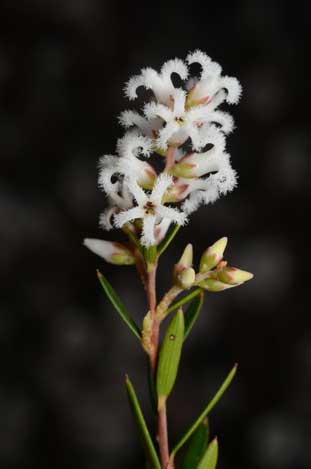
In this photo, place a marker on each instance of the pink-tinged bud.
(186, 258)
(177, 191)
(233, 276)
(197, 95)
(186, 278)
(197, 164)
(213, 255)
(147, 176)
(184, 263)
(214, 285)
(114, 253)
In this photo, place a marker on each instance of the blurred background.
(63, 350)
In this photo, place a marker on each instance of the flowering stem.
(151, 293)
(162, 417)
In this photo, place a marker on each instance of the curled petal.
(128, 215)
(161, 185)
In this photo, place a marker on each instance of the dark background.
(63, 351)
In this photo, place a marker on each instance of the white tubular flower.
(127, 164)
(208, 190)
(182, 123)
(211, 85)
(160, 83)
(198, 164)
(147, 127)
(149, 209)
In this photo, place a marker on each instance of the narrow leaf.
(147, 442)
(184, 299)
(210, 457)
(118, 305)
(170, 355)
(196, 447)
(168, 239)
(207, 410)
(192, 313)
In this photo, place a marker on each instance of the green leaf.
(146, 439)
(192, 313)
(207, 410)
(196, 447)
(118, 305)
(168, 239)
(169, 356)
(184, 299)
(210, 457)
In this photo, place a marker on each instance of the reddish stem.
(162, 418)
(163, 436)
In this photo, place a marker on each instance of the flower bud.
(186, 278)
(114, 253)
(147, 176)
(197, 164)
(214, 285)
(213, 255)
(233, 276)
(186, 258)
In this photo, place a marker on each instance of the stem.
(162, 436)
(184, 300)
(151, 292)
(153, 355)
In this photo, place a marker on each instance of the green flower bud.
(233, 276)
(213, 255)
(186, 278)
(186, 258)
(214, 285)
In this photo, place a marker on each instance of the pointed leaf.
(168, 239)
(146, 439)
(118, 305)
(192, 313)
(206, 411)
(209, 460)
(196, 447)
(169, 356)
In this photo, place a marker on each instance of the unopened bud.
(114, 253)
(213, 255)
(147, 176)
(233, 276)
(197, 164)
(186, 258)
(214, 285)
(186, 278)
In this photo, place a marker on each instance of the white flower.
(211, 85)
(208, 190)
(126, 164)
(183, 123)
(149, 209)
(160, 83)
(147, 127)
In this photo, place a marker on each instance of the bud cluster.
(214, 274)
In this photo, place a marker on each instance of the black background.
(63, 351)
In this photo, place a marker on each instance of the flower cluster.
(172, 157)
